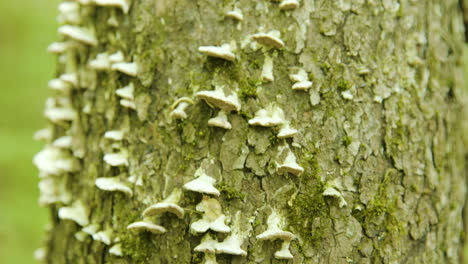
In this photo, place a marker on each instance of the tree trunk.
(324, 132)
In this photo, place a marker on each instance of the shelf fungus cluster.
(301, 80)
(225, 51)
(331, 190)
(287, 161)
(179, 106)
(169, 205)
(225, 101)
(270, 39)
(273, 116)
(275, 231)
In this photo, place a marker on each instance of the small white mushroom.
(202, 184)
(59, 85)
(77, 213)
(129, 68)
(220, 120)
(135, 180)
(231, 245)
(128, 104)
(70, 78)
(288, 164)
(179, 106)
(301, 80)
(274, 231)
(103, 236)
(207, 244)
(284, 252)
(212, 218)
(116, 135)
(268, 117)
(143, 226)
(235, 14)
(53, 190)
(113, 184)
(44, 134)
(271, 38)
(126, 92)
(80, 34)
(116, 57)
(267, 70)
(347, 95)
(91, 229)
(331, 191)
(116, 250)
(63, 142)
(58, 114)
(58, 47)
(223, 52)
(286, 131)
(101, 62)
(168, 205)
(122, 4)
(289, 4)
(116, 159)
(55, 161)
(69, 12)
(219, 99)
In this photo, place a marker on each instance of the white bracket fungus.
(59, 85)
(301, 80)
(142, 226)
(58, 47)
(267, 70)
(286, 131)
(347, 95)
(168, 205)
(54, 161)
(103, 236)
(116, 57)
(268, 117)
(235, 14)
(331, 191)
(223, 52)
(122, 4)
(77, 213)
(113, 184)
(271, 38)
(116, 159)
(288, 163)
(101, 62)
(202, 184)
(207, 246)
(126, 92)
(129, 68)
(179, 106)
(274, 231)
(57, 114)
(212, 218)
(69, 12)
(116, 135)
(70, 78)
(220, 120)
(116, 250)
(63, 142)
(44, 134)
(289, 4)
(135, 180)
(128, 104)
(231, 245)
(79, 34)
(53, 190)
(219, 99)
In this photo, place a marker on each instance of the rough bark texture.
(382, 124)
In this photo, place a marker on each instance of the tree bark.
(375, 172)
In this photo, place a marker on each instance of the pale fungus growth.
(267, 70)
(59, 85)
(301, 80)
(54, 161)
(347, 95)
(331, 191)
(213, 218)
(116, 159)
(124, 5)
(207, 246)
(218, 98)
(275, 224)
(202, 184)
(101, 62)
(77, 213)
(44, 134)
(63, 142)
(53, 190)
(70, 78)
(113, 184)
(289, 4)
(168, 205)
(126, 92)
(116, 135)
(129, 68)
(220, 120)
(103, 236)
(288, 163)
(91, 229)
(58, 47)
(179, 106)
(225, 51)
(268, 117)
(231, 245)
(235, 14)
(135, 180)
(128, 104)
(116, 250)
(79, 34)
(69, 12)
(271, 38)
(286, 131)
(116, 57)
(145, 226)
(58, 114)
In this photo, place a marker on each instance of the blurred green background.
(27, 27)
